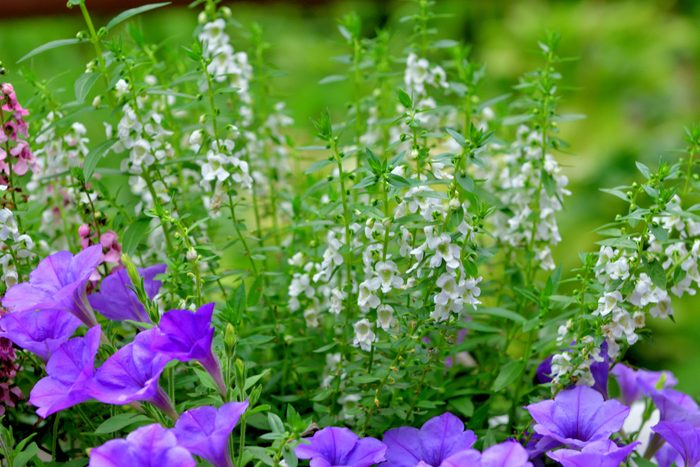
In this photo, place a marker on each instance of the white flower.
(367, 298)
(121, 88)
(608, 303)
(364, 335)
(646, 292)
(385, 316)
(214, 168)
(662, 309)
(387, 271)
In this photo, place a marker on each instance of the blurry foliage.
(634, 73)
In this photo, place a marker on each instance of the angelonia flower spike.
(190, 276)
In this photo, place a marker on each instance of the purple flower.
(69, 370)
(666, 456)
(543, 374)
(149, 446)
(577, 417)
(684, 437)
(635, 383)
(185, 336)
(205, 431)
(132, 374)
(438, 439)
(506, 454)
(58, 283)
(600, 370)
(340, 447)
(604, 453)
(117, 300)
(40, 332)
(675, 406)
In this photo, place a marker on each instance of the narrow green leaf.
(134, 234)
(48, 46)
(83, 85)
(119, 422)
(26, 455)
(124, 15)
(94, 156)
(510, 372)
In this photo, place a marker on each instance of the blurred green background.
(635, 76)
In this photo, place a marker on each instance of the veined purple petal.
(438, 439)
(40, 332)
(116, 299)
(675, 406)
(184, 335)
(635, 383)
(340, 447)
(58, 283)
(205, 431)
(684, 437)
(506, 454)
(148, 446)
(578, 416)
(132, 374)
(603, 453)
(69, 370)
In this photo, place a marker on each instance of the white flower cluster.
(634, 286)
(140, 132)
(531, 185)
(439, 256)
(57, 151)
(13, 246)
(228, 65)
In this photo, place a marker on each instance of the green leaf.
(332, 79)
(457, 137)
(83, 85)
(510, 372)
(500, 313)
(463, 405)
(124, 15)
(644, 170)
(48, 46)
(119, 422)
(318, 165)
(134, 234)
(405, 99)
(275, 422)
(657, 274)
(26, 455)
(94, 156)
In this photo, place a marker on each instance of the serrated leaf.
(94, 156)
(509, 373)
(49, 46)
(124, 15)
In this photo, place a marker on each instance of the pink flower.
(24, 158)
(111, 247)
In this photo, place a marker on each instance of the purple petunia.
(58, 283)
(675, 406)
(69, 370)
(40, 332)
(184, 335)
(684, 437)
(506, 454)
(604, 453)
(340, 447)
(148, 446)
(666, 456)
(636, 383)
(439, 441)
(577, 417)
(205, 431)
(132, 374)
(117, 300)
